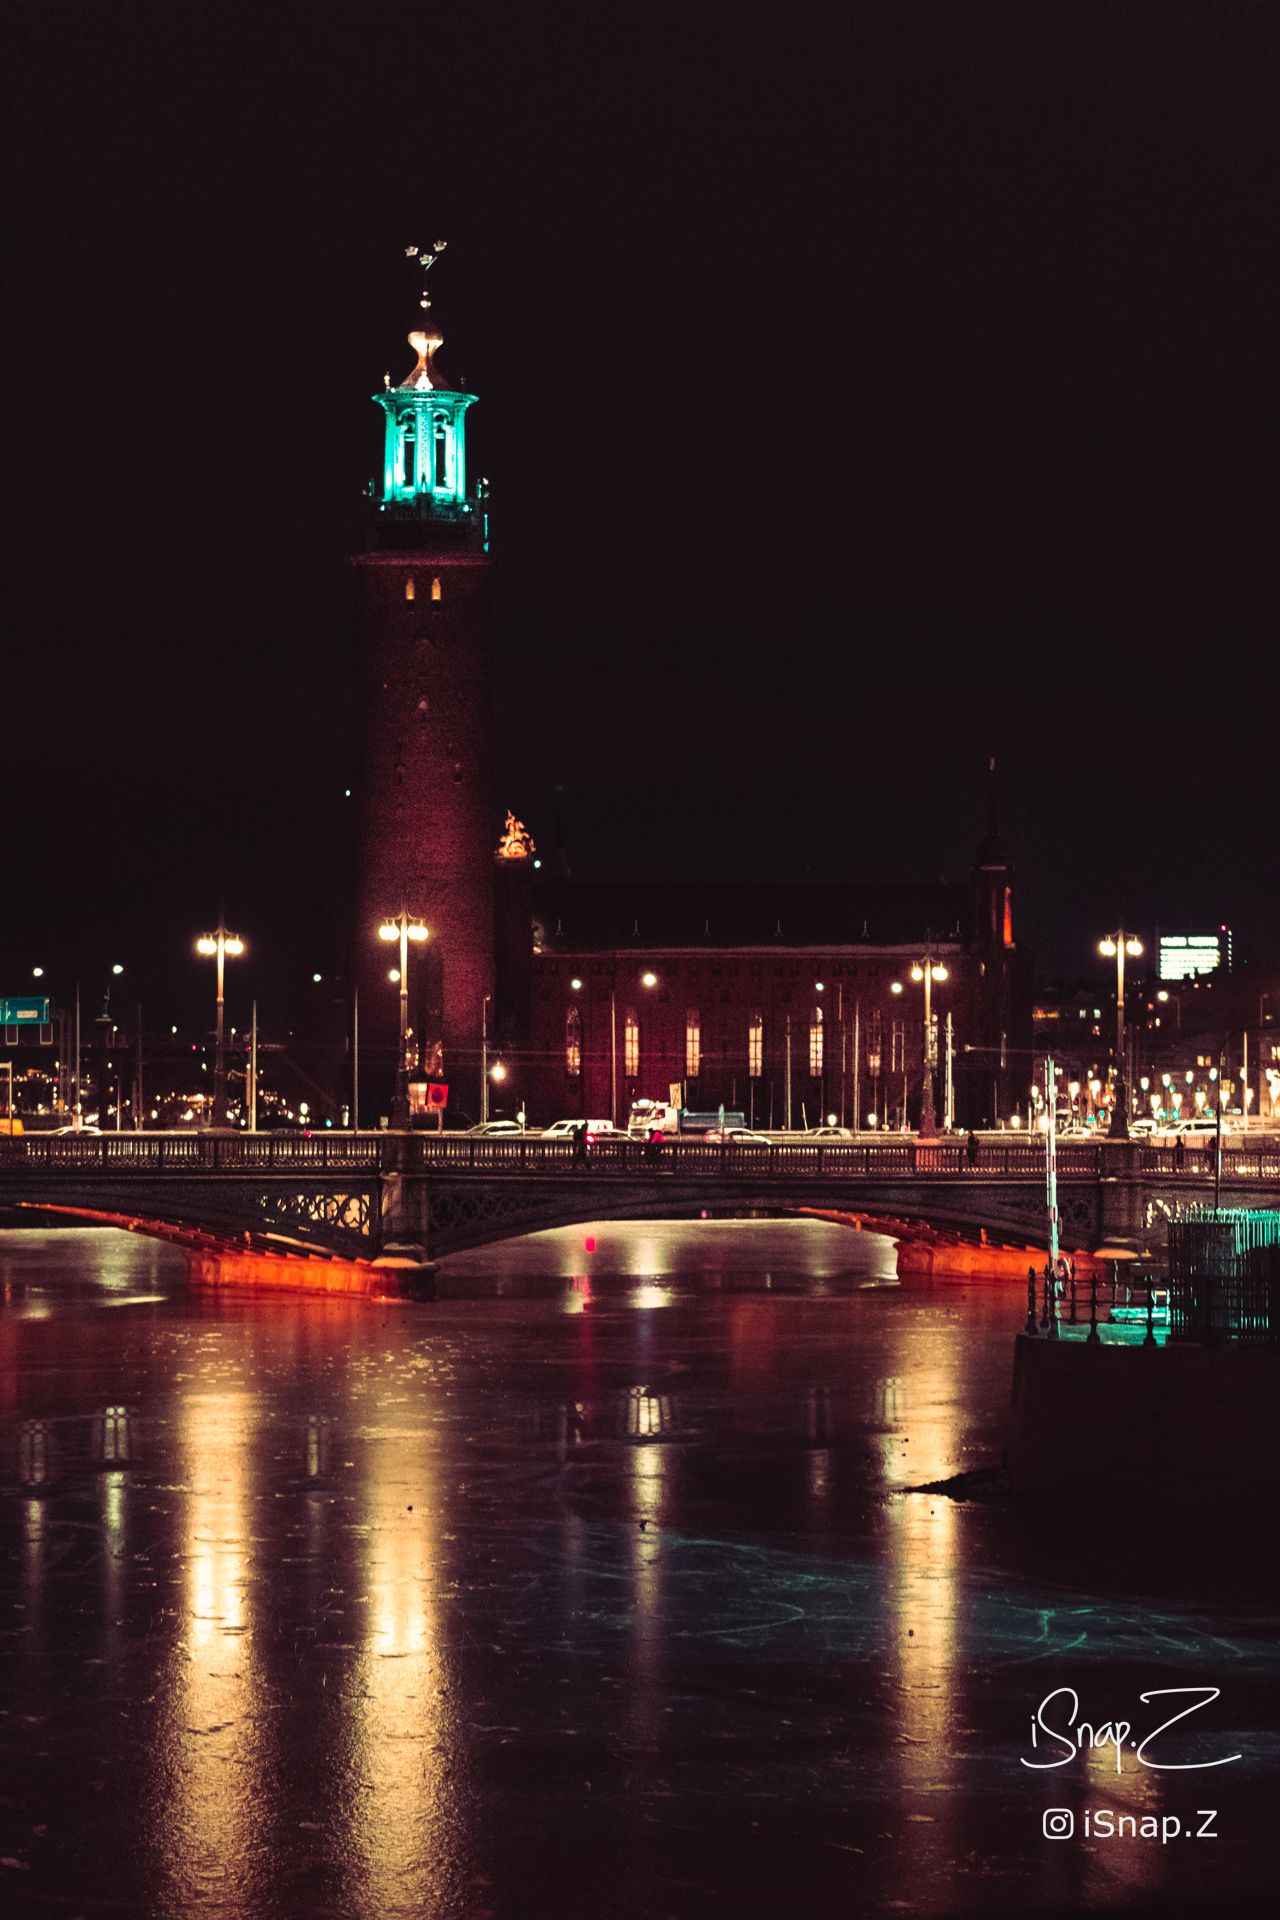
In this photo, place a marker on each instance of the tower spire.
(992, 851)
(424, 468)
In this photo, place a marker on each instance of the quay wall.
(1171, 1426)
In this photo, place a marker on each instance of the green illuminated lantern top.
(424, 471)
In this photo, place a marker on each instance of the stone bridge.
(361, 1196)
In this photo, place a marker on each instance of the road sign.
(25, 1011)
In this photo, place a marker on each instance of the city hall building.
(792, 1004)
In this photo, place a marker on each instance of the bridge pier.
(403, 1238)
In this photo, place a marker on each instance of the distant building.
(791, 1004)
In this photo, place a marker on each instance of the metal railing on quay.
(1132, 1303)
(1224, 1275)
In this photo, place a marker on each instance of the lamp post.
(404, 927)
(1119, 944)
(484, 1060)
(927, 971)
(220, 944)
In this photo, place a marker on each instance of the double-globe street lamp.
(219, 944)
(925, 972)
(404, 927)
(1117, 945)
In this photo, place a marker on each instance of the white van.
(566, 1129)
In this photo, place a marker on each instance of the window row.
(693, 1043)
(411, 590)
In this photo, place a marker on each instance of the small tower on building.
(1002, 1001)
(425, 819)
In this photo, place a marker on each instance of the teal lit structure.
(424, 471)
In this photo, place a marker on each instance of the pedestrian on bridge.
(971, 1148)
(580, 1145)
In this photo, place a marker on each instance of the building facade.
(793, 1005)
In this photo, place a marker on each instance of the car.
(829, 1133)
(499, 1129)
(78, 1130)
(566, 1129)
(736, 1137)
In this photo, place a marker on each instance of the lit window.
(755, 1045)
(410, 591)
(442, 457)
(815, 1044)
(409, 453)
(692, 1044)
(436, 595)
(875, 1043)
(573, 1042)
(631, 1044)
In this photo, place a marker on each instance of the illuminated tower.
(425, 822)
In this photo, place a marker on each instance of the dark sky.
(863, 390)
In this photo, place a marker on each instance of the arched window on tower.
(441, 457)
(573, 1042)
(408, 452)
(815, 1044)
(692, 1044)
(437, 594)
(410, 591)
(631, 1044)
(755, 1045)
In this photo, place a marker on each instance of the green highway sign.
(25, 1011)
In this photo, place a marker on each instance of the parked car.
(736, 1137)
(77, 1129)
(499, 1129)
(829, 1133)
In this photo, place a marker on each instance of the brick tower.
(425, 824)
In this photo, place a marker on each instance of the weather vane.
(426, 258)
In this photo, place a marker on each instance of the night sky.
(863, 391)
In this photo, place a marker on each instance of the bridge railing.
(899, 1156)
(140, 1153)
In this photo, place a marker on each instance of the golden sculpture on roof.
(516, 842)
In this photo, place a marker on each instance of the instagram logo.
(1059, 1823)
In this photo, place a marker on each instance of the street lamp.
(1119, 944)
(219, 944)
(404, 927)
(927, 971)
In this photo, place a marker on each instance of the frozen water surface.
(596, 1588)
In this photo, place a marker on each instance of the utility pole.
(787, 1078)
(78, 1110)
(253, 1068)
(484, 1060)
(1051, 1162)
(1217, 1141)
(857, 1049)
(355, 1060)
(949, 1096)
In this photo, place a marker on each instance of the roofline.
(862, 951)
